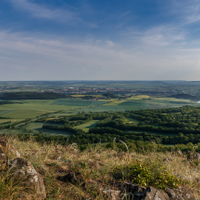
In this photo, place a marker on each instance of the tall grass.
(95, 165)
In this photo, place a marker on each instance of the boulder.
(111, 194)
(136, 192)
(5, 148)
(197, 156)
(156, 194)
(180, 193)
(190, 155)
(179, 152)
(193, 155)
(25, 171)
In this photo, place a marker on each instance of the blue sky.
(99, 40)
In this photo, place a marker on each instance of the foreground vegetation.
(95, 168)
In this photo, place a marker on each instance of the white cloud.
(163, 35)
(188, 12)
(31, 58)
(174, 32)
(42, 11)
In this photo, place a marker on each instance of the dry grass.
(95, 167)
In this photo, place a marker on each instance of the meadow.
(86, 126)
(36, 127)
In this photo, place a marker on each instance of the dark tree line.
(173, 126)
(30, 95)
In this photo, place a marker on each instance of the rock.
(190, 155)
(135, 192)
(193, 155)
(2, 155)
(21, 171)
(5, 148)
(179, 152)
(196, 156)
(20, 167)
(112, 194)
(155, 194)
(180, 193)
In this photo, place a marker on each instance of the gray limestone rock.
(112, 194)
(24, 170)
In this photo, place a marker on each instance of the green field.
(101, 108)
(4, 112)
(131, 120)
(74, 102)
(87, 125)
(32, 108)
(21, 110)
(146, 102)
(37, 127)
(32, 126)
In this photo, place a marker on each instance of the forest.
(167, 127)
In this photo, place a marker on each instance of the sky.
(99, 40)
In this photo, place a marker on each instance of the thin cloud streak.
(163, 35)
(189, 11)
(39, 58)
(40, 11)
(172, 33)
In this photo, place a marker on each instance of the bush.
(148, 173)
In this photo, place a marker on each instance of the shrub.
(148, 173)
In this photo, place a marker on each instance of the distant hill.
(30, 95)
(185, 96)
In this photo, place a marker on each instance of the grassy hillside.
(95, 167)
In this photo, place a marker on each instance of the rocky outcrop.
(193, 158)
(21, 170)
(111, 194)
(135, 192)
(193, 155)
(179, 152)
(7, 148)
(180, 193)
